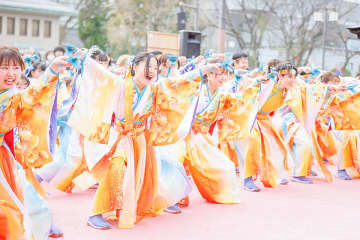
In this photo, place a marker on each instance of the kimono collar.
(209, 93)
(137, 89)
(4, 91)
(130, 89)
(238, 77)
(5, 94)
(210, 97)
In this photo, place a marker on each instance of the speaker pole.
(196, 22)
(222, 25)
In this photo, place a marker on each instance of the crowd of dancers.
(145, 130)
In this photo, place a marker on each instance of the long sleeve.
(238, 113)
(306, 102)
(35, 114)
(94, 106)
(175, 104)
(344, 109)
(187, 68)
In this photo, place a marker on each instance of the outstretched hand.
(336, 88)
(218, 57)
(210, 68)
(59, 65)
(199, 59)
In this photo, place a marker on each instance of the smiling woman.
(23, 212)
(11, 66)
(130, 183)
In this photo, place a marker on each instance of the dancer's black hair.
(273, 64)
(102, 57)
(143, 57)
(329, 77)
(25, 80)
(95, 51)
(38, 65)
(287, 66)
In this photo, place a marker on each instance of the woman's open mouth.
(9, 81)
(150, 76)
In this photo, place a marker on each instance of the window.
(47, 32)
(0, 24)
(11, 25)
(35, 28)
(23, 27)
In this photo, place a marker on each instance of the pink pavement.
(320, 211)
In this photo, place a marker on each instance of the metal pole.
(324, 37)
(222, 23)
(196, 22)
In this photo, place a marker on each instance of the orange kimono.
(127, 169)
(344, 112)
(29, 111)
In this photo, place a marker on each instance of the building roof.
(37, 6)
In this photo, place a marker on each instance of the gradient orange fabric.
(10, 216)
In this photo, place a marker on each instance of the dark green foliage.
(93, 17)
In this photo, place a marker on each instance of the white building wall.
(39, 43)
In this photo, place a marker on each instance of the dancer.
(249, 150)
(211, 169)
(274, 163)
(23, 211)
(345, 147)
(128, 170)
(69, 162)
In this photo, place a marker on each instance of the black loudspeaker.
(181, 20)
(190, 43)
